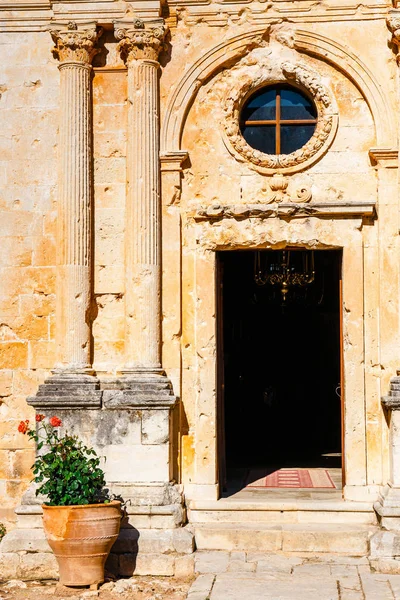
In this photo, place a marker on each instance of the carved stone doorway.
(279, 366)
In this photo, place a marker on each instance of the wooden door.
(221, 447)
(342, 388)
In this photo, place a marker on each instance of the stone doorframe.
(199, 354)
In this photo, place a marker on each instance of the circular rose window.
(278, 119)
(279, 122)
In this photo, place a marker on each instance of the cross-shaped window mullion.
(278, 121)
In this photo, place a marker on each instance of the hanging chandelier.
(284, 271)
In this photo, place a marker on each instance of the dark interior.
(280, 380)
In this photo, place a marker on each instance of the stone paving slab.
(252, 576)
(255, 589)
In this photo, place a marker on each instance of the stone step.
(282, 511)
(344, 539)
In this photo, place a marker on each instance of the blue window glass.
(262, 137)
(294, 137)
(278, 119)
(296, 106)
(260, 106)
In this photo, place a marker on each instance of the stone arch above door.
(306, 42)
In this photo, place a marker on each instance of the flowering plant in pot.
(80, 521)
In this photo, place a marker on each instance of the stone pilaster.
(72, 382)
(385, 544)
(140, 45)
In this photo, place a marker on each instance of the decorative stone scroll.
(278, 185)
(140, 40)
(302, 77)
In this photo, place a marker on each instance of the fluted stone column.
(75, 47)
(140, 44)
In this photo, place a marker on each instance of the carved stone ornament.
(285, 210)
(327, 120)
(393, 23)
(75, 43)
(140, 39)
(279, 184)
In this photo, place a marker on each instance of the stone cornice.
(140, 39)
(75, 42)
(173, 161)
(384, 157)
(37, 15)
(285, 210)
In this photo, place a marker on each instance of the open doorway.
(279, 367)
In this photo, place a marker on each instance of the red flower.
(23, 426)
(55, 422)
(39, 418)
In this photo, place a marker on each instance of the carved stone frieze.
(302, 77)
(217, 212)
(140, 40)
(75, 43)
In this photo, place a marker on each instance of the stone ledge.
(115, 399)
(67, 391)
(25, 540)
(153, 541)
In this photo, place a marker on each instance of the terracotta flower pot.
(81, 538)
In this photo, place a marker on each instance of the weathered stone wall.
(109, 144)
(29, 85)
(353, 61)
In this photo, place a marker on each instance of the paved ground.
(241, 576)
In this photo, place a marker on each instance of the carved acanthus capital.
(393, 23)
(140, 39)
(75, 43)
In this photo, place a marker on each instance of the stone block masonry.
(123, 172)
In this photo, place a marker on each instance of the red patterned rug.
(289, 478)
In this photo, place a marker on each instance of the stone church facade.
(125, 179)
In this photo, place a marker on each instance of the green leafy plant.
(67, 471)
(3, 531)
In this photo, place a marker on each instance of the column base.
(388, 508)
(144, 388)
(64, 390)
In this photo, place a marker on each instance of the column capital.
(393, 23)
(392, 401)
(75, 42)
(140, 39)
